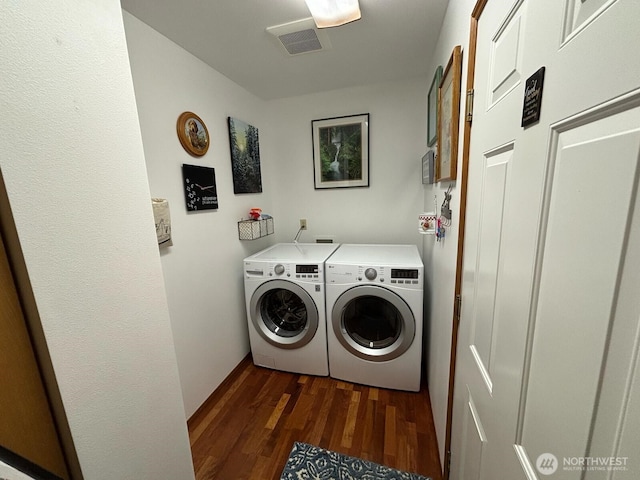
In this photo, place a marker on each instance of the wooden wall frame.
(192, 133)
(449, 117)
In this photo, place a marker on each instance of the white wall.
(441, 256)
(387, 211)
(203, 268)
(75, 177)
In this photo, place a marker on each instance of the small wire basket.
(253, 229)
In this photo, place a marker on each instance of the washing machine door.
(284, 314)
(373, 323)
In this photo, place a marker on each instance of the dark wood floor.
(246, 429)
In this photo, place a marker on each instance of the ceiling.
(393, 41)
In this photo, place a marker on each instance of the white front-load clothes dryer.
(285, 298)
(374, 315)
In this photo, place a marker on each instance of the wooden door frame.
(29, 434)
(457, 299)
(22, 284)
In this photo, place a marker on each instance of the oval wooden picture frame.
(193, 134)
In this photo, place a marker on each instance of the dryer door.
(373, 323)
(284, 314)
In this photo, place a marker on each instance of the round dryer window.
(373, 323)
(284, 314)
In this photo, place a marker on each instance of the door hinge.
(469, 115)
(447, 464)
(458, 307)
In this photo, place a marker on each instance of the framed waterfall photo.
(341, 151)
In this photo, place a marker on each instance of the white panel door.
(547, 365)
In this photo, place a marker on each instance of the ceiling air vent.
(299, 37)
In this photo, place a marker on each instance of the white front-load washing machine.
(285, 297)
(374, 315)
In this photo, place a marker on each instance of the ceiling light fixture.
(333, 13)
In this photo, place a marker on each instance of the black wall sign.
(199, 187)
(532, 98)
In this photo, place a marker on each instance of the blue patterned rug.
(307, 462)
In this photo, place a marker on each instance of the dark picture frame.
(200, 190)
(433, 107)
(341, 151)
(193, 134)
(449, 118)
(428, 165)
(244, 143)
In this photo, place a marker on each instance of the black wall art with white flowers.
(199, 187)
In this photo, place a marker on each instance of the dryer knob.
(279, 269)
(370, 273)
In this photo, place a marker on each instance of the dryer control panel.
(344, 274)
(406, 276)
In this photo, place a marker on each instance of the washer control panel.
(303, 272)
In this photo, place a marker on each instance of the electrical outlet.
(303, 224)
